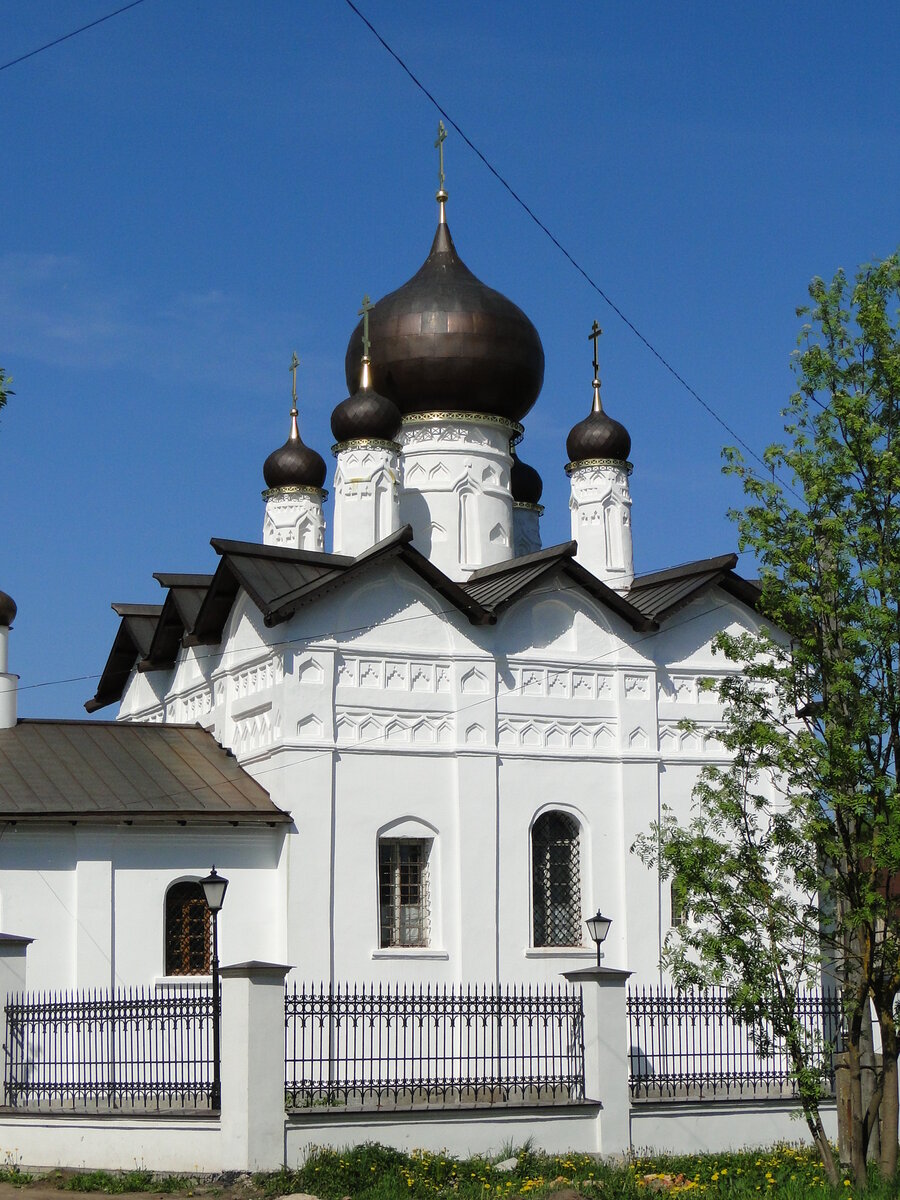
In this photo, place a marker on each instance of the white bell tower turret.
(294, 474)
(600, 503)
(367, 475)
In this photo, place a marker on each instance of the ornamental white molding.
(686, 689)
(258, 677)
(636, 685)
(360, 726)
(193, 705)
(547, 733)
(393, 674)
(256, 731)
(564, 683)
(703, 740)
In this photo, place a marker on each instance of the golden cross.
(295, 363)
(594, 336)
(439, 146)
(364, 313)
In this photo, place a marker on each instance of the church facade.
(421, 752)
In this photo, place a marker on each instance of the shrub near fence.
(369, 1047)
(690, 1045)
(131, 1049)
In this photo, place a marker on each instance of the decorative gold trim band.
(363, 443)
(600, 462)
(464, 418)
(538, 508)
(271, 493)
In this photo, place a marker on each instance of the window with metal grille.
(187, 930)
(556, 880)
(677, 902)
(403, 891)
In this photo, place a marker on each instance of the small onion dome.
(294, 464)
(8, 609)
(446, 342)
(365, 414)
(525, 483)
(598, 435)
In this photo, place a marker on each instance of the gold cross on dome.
(364, 313)
(295, 363)
(594, 336)
(439, 146)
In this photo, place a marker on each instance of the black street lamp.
(214, 887)
(598, 928)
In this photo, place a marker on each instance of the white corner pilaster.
(294, 518)
(606, 1052)
(253, 1119)
(600, 504)
(455, 492)
(366, 494)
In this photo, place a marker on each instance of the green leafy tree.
(792, 858)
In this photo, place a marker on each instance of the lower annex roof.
(108, 771)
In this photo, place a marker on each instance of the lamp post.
(214, 887)
(598, 928)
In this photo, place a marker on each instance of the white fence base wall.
(458, 1132)
(113, 1143)
(692, 1127)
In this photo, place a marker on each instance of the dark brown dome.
(8, 609)
(446, 342)
(598, 435)
(294, 465)
(525, 483)
(365, 414)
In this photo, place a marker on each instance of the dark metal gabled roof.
(179, 612)
(132, 641)
(663, 593)
(498, 586)
(106, 771)
(265, 572)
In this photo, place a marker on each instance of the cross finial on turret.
(594, 336)
(364, 313)
(441, 196)
(295, 363)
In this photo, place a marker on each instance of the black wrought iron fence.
(432, 1046)
(127, 1049)
(690, 1045)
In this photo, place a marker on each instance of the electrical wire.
(65, 37)
(571, 258)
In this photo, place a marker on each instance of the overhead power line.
(571, 258)
(65, 37)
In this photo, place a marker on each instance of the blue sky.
(196, 188)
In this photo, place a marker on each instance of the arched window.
(556, 880)
(188, 945)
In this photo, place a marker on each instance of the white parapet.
(455, 492)
(601, 519)
(366, 494)
(294, 518)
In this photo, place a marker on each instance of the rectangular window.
(403, 891)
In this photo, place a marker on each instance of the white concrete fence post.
(12, 979)
(253, 1116)
(606, 1052)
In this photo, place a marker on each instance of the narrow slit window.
(556, 880)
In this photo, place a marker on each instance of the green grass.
(114, 1183)
(10, 1173)
(372, 1172)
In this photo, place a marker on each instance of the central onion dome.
(445, 341)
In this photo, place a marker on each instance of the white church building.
(419, 747)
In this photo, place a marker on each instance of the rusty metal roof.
(75, 771)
